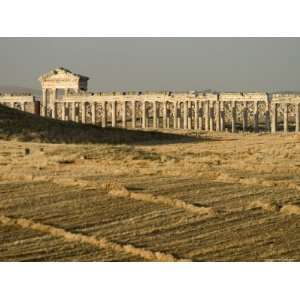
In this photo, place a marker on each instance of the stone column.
(267, 117)
(133, 116)
(285, 118)
(12, 104)
(66, 104)
(113, 113)
(53, 106)
(93, 108)
(175, 114)
(77, 110)
(124, 114)
(63, 112)
(196, 116)
(179, 115)
(256, 115)
(218, 117)
(168, 117)
(245, 117)
(67, 111)
(185, 115)
(297, 117)
(43, 104)
(104, 114)
(207, 114)
(274, 117)
(233, 116)
(189, 115)
(154, 114)
(144, 114)
(165, 114)
(73, 112)
(45, 111)
(54, 110)
(201, 115)
(83, 112)
(23, 106)
(222, 116)
(211, 115)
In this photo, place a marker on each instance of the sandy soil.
(229, 197)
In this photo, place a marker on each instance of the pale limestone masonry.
(180, 110)
(24, 102)
(56, 84)
(286, 106)
(65, 97)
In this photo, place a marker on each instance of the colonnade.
(286, 108)
(187, 114)
(66, 97)
(26, 103)
(190, 114)
(15, 104)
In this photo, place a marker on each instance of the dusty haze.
(224, 64)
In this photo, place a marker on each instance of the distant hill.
(19, 90)
(23, 126)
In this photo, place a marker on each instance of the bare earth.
(229, 197)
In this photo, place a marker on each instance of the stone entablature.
(256, 96)
(141, 97)
(286, 98)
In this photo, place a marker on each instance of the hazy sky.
(229, 64)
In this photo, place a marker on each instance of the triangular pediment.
(61, 74)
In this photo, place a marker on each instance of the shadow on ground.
(22, 126)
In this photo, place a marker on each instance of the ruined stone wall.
(24, 102)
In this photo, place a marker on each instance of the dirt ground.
(222, 197)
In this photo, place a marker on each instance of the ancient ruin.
(65, 97)
(22, 102)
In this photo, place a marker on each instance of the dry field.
(207, 197)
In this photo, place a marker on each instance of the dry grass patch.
(227, 198)
(80, 238)
(290, 209)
